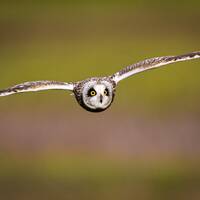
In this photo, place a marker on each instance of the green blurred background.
(146, 146)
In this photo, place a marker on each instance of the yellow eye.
(93, 93)
(106, 91)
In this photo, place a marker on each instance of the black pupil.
(91, 92)
(106, 92)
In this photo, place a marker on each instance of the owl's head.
(95, 95)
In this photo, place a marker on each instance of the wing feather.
(37, 86)
(152, 63)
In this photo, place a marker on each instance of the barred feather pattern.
(152, 63)
(36, 86)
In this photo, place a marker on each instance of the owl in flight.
(97, 93)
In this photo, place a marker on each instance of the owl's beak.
(101, 98)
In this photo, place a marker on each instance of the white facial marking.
(100, 89)
(102, 99)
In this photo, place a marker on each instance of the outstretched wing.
(152, 63)
(37, 86)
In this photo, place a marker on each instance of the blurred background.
(145, 146)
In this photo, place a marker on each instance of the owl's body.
(104, 87)
(97, 93)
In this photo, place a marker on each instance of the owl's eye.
(92, 92)
(106, 92)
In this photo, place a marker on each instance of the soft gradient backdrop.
(145, 146)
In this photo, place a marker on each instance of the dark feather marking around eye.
(107, 93)
(91, 90)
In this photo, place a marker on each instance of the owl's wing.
(37, 86)
(152, 63)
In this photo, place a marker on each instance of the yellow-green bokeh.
(73, 40)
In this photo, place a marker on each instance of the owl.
(96, 94)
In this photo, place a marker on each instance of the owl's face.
(96, 96)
